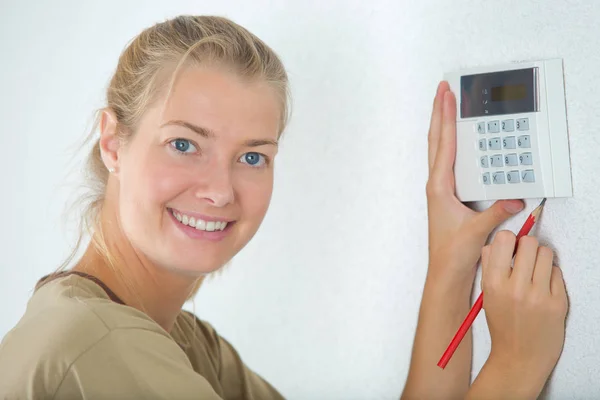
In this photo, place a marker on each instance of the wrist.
(448, 274)
(512, 379)
(454, 260)
(449, 290)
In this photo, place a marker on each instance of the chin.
(195, 269)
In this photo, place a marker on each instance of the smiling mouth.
(200, 224)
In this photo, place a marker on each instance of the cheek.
(165, 182)
(255, 195)
(150, 181)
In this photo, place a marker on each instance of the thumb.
(485, 256)
(486, 221)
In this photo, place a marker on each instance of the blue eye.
(183, 145)
(253, 159)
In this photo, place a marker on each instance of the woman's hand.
(456, 233)
(525, 307)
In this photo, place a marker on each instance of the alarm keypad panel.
(505, 147)
(512, 140)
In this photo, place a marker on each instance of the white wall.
(323, 302)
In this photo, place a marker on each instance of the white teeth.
(200, 224)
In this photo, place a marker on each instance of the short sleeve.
(238, 381)
(136, 364)
(235, 379)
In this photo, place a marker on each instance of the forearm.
(445, 303)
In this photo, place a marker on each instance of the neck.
(158, 292)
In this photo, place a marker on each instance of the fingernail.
(513, 207)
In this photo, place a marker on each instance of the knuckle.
(505, 236)
(545, 252)
(528, 241)
(537, 300)
(434, 188)
(518, 296)
(431, 188)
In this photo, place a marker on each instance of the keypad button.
(493, 126)
(508, 125)
(513, 177)
(528, 176)
(524, 142)
(483, 144)
(494, 143)
(484, 162)
(498, 178)
(526, 159)
(481, 127)
(511, 159)
(509, 142)
(523, 124)
(496, 161)
(486, 178)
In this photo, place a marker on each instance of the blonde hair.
(140, 78)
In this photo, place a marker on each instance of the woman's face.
(195, 181)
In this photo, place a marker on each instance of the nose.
(216, 186)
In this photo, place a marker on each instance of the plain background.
(323, 302)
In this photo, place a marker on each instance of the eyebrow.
(207, 133)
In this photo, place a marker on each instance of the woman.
(183, 173)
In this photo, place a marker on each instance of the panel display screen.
(509, 92)
(498, 93)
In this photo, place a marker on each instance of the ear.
(109, 140)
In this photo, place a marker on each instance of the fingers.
(485, 254)
(446, 151)
(485, 222)
(543, 269)
(435, 125)
(498, 265)
(557, 283)
(485, 259)
(558, 290)
(525, 263)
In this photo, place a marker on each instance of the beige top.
(77, 340)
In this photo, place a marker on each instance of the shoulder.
(189, 327)
(199, 340)
(64, 319)
(197, 336)
(78, 310)
(216, 359)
